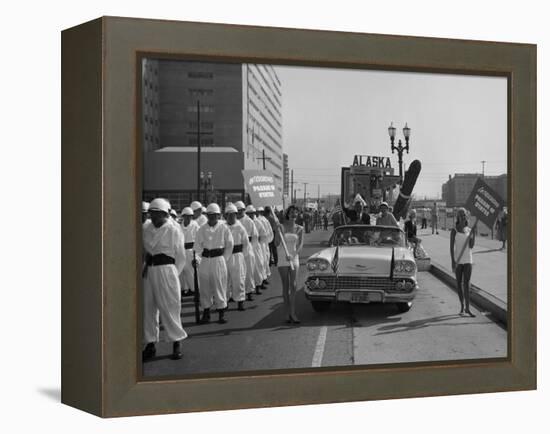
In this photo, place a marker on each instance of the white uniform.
(213, 271)
(252, 274)
(201, 220)
(259, 251)
(189, 233)
(161, 285)
(236, 265)
(265, 243)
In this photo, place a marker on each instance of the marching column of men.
(231, 258)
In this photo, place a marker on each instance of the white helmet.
(196, 205)
(144, 206)
(173, 213)
(159, 204)
(260, 209)
(203, 209)
(240, 204)
(230, 208)
(250, 208)
(213, 208)
(187, 211)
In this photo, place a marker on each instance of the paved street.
(259, 338)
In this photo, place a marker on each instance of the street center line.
(319, 348)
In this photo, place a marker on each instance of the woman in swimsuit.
(294, 240)
(462, 241)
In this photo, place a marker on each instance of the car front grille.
(334, 283)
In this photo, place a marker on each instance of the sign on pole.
(260, 186)
(484, 203)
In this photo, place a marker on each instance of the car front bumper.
(348, 295)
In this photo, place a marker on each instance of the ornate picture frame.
(101, 192)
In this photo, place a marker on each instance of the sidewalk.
(490, 263)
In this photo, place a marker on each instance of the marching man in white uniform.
(265, 243)
(189, 228)
(144, 211)
(259, 252)
(163, 244)
(236, 266)
(251, 272)
(198, 215)
(214, 245)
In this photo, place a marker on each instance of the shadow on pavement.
(423, 323)
(487, 251)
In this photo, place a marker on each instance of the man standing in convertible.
(358, 215)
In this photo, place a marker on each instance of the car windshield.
(375, 236)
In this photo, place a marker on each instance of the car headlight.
(317, 264)
(404, 267)
(311, 266)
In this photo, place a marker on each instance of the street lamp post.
(399, 148)
(198, 133)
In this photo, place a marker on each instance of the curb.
(482, 299)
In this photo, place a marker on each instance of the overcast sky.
(329, 115)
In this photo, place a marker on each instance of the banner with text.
(484, 203)
(260, 186)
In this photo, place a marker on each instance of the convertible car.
(362, 264)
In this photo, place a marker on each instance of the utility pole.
(483, 168)
(199, 134)
(263, 158)
(305, 189)
(318, 196)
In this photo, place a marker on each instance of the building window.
(208, 141)
(201, 92)
(204, 125)
(204, 108)
(200, 74)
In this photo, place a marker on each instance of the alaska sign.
(370, 161)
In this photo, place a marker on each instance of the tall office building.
(233, 110)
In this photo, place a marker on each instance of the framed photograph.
(261, 217)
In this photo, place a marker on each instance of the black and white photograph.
(276, 218)
(299, 217)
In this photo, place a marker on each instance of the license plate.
(360, 297)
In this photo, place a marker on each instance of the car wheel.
(320, 306)
(404, 307)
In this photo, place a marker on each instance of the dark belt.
(160, 259)
(238, 248)
(188, 246)
(207, 253)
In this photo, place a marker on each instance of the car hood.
(364, 260)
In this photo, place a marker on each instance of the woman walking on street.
(462, 241)
(294, 240)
